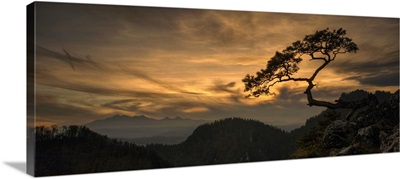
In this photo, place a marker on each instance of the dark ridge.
(230, 140)
(76, 150)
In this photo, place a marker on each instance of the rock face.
(338, 134)
(390, 143)
(375, 130)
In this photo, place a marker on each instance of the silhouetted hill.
(229, 140)
(144, 130)
(76, 149)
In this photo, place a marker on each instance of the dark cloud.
(215, 30)
(364, 67)
(233, 31)
(72, 23)
(219, 86)
(113, 29)
(68, 57)
(297, 95)
(379, 70)
(285, 93)
(371, 65)
(234, 92)
(231, 84)
(385, 79)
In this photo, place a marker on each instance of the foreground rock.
(374, 130)
(378, 130)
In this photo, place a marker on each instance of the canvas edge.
(30, 50)
(30, 88)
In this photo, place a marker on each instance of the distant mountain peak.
(118, 115)
(166, 118)
(176, 118)
(125, 117)
(141, 116)
(139, 126)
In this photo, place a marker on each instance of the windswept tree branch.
(323, 45)
(318, 70)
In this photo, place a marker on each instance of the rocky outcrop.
(375, 130)
(390, 143)
(338, 134)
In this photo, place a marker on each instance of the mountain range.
(143, 130)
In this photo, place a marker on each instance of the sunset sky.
(93, 62)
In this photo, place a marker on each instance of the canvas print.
(116, 88)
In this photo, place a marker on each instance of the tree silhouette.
(323, 45)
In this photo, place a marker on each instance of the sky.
(93, 62)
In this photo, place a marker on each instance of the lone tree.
(323, 45)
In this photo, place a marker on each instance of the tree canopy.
(324, 45)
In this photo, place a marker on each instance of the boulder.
(339, 134)
(391, 143)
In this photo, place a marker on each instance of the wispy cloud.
(140, 74)
(68, 57)
(219, 86)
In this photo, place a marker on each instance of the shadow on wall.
(20, 166)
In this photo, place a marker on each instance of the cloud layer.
(97, 61)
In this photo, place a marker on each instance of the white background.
(13, 97)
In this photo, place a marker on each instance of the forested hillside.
(76, 149)
(229, 140)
